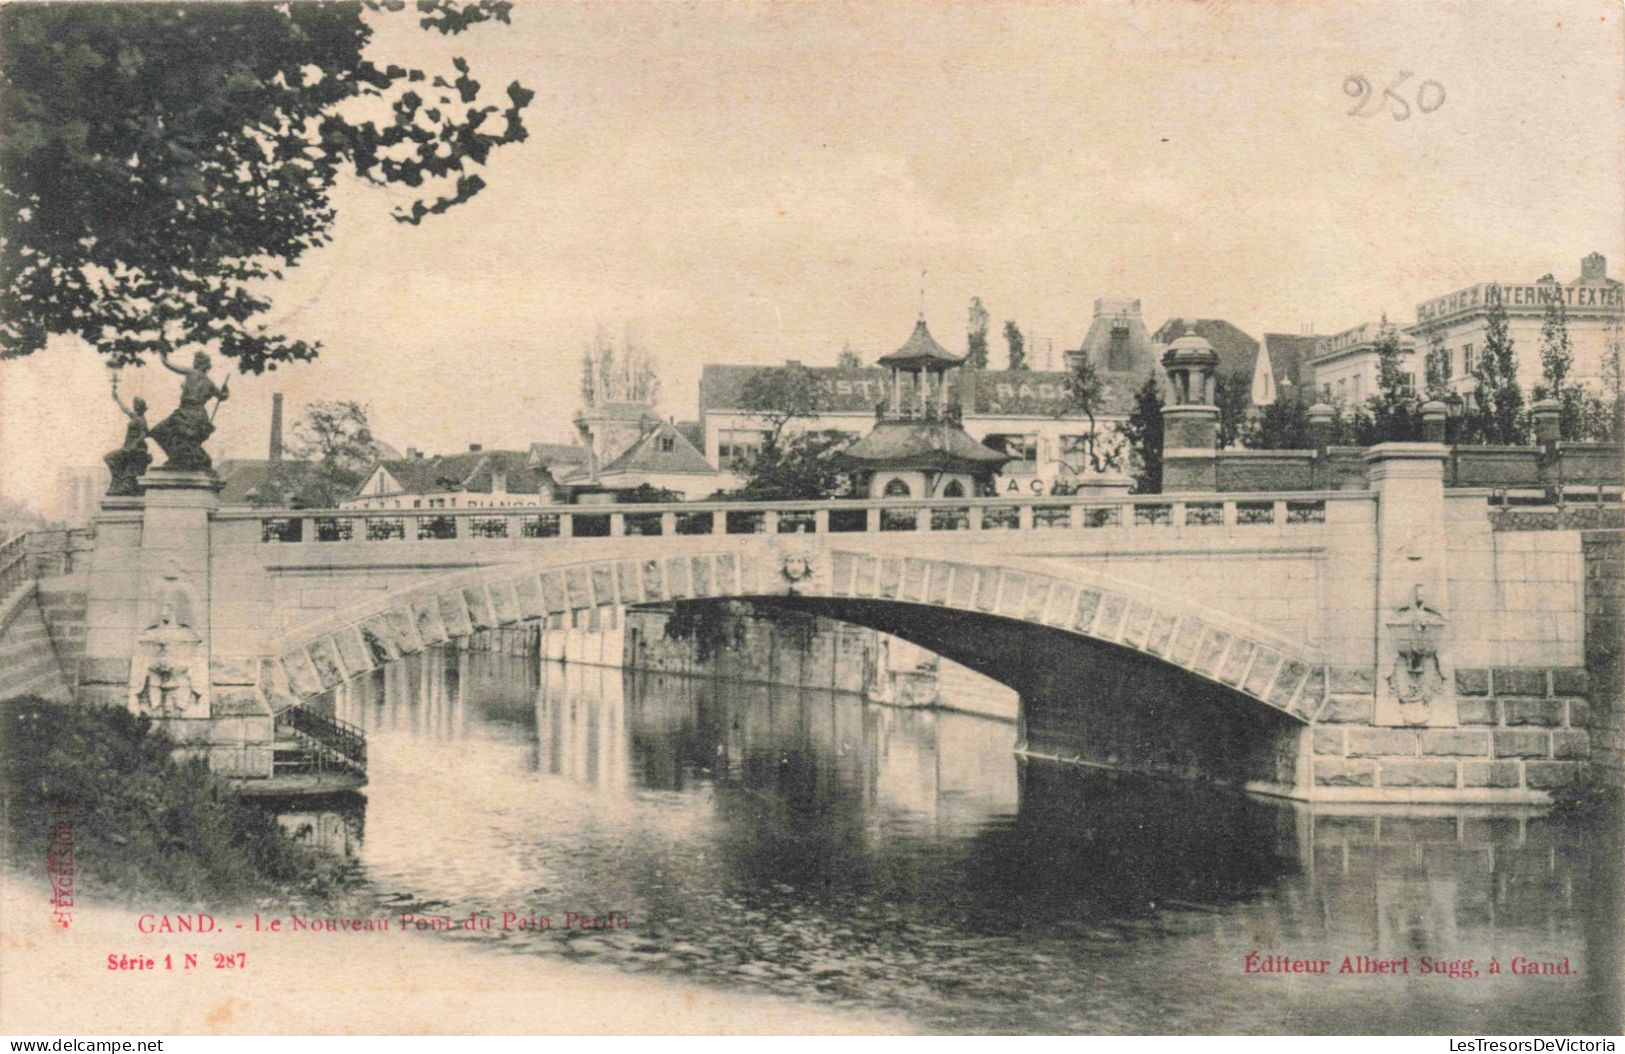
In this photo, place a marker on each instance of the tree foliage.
(1283, 425)
(332, 450)
(627, 375)
(803, 466)
(780, 395)
(1495, 413)
(1233, 393)
(1436, 376)
(1556, 365)
(1017, 345)
(161, 161)
(976, 335)
(1603, 417)
(849, 359)
(1086, 394)
(144, 823)
(1393, 414)
(1143, 433)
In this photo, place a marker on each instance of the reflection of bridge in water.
(616, 730)
(728, 819)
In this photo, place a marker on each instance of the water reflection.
(813, 845)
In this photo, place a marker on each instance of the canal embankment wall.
(28, 661)
(42, 620)
(812, 652)
(1604, 552)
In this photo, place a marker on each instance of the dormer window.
(667, 444)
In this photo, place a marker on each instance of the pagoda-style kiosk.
(918, 448)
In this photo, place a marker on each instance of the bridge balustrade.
(14, 570)
(832, 517)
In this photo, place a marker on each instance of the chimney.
(413, 454)
(1594, 268)
(276, 426)
(499, 479)
(475, 448)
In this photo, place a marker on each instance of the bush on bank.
(142, 823)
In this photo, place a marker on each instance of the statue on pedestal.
(182, 433)
(129, 462)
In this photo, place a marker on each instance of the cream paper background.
(754, 182)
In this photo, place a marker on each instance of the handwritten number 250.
(1429, 96)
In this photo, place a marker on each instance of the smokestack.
(276, 426)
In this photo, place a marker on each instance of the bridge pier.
(149, 642)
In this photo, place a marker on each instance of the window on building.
(896, 488)
(1467, 358)
(736, 445)
(1444, 366)
(1075, 451)
(1119, 356)
(1020, 447)
(1357, 381)
(1342, 389)
(954, 489)
(667, 444)
(1407, 382)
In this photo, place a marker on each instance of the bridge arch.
(1246, 659)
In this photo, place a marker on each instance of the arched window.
(896, 488)
(954, 489)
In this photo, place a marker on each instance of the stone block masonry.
(28, 659)
(62, 605)
(1604, 554)
(1523, 733)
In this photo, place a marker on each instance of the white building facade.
(1453, 326)
(1345, 365)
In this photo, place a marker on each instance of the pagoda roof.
(921, 349)
(921, 445)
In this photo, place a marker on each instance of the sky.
(760, 182)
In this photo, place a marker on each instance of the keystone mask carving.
(795, 566)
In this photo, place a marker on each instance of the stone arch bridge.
(1388, 643)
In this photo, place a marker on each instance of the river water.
(835, 852)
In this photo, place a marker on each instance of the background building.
(1455, 323)
(478, 479)
(1287, 357)
(77, 495)
(1345, 364)
(1024, 414)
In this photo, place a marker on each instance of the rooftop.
(921, 349)
(934, 445)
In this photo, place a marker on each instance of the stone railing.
(1575, 467)
(828, 517)
(60, 551)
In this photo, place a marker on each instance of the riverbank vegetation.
(142, 823)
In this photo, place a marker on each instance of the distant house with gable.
(477, 479)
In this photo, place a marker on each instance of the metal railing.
(827, 517)
(334, 743)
